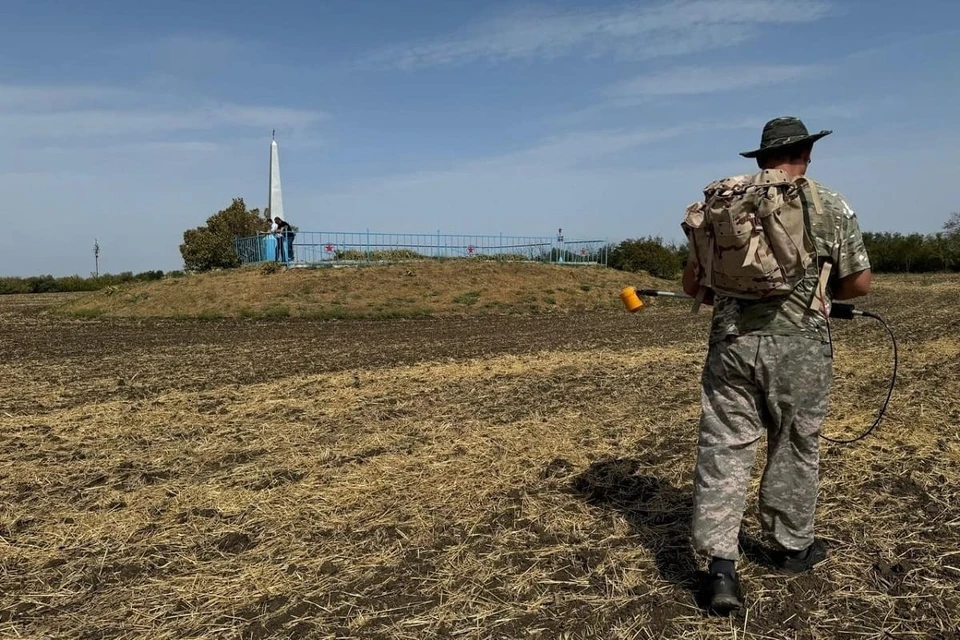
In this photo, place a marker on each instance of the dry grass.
(449, 490)
(402, 290)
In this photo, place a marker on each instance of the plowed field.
(502, 476)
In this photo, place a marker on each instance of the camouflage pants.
(753, 386)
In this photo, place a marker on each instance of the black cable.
(838, 310)
(893, 381)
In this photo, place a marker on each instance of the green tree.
(952, 226)
(651, 255)
(212, 245)
(951, 242)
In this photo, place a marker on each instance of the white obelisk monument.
(276, 196)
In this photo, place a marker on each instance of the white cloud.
(103, 122)
(633, 31)
(692, 80)
(568, 152)
(497, 199)
(572, 149)
(205, 50)
(82, 112)
(45, 97)
(183, 147)
(620, 201)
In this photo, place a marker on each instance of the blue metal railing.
(334, 247)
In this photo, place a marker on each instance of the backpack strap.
(818, 301)
(814, 193)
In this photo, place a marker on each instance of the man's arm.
(853, 269)
(854, 285)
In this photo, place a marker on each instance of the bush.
(913, 253)
(212, 246)
(76, 283)
(385, 255)
(651, 255)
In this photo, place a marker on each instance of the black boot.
(722, 589)
(803, 560)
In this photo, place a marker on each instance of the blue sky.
(131, 122)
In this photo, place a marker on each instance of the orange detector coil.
(631, 300)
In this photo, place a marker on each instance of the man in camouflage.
(768, 371)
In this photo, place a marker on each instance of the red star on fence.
(470, 249)
(583, 252)
(329, 248)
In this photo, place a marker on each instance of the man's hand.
(691, 287)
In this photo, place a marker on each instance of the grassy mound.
(417, 289)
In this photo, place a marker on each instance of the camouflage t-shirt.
(838, 240)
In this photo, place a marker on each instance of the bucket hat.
(783, 132)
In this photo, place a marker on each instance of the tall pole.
(96, 257)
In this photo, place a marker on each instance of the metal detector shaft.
(840, 310)
(666, 294)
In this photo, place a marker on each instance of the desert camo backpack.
(748, 238)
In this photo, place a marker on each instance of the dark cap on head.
(783, 132)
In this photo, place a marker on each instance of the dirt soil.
(447, 477)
